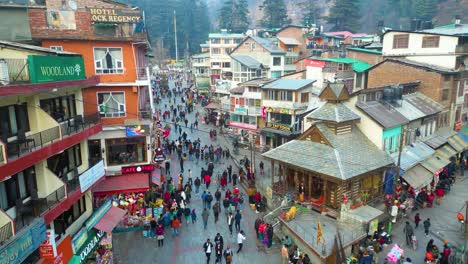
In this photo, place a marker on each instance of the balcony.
(6, 228)
(461, 48)
(142, 73)
(29, 149)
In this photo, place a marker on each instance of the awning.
(213, 106)
(446, 152)
(435, 163)
(276, 131)
(418, 177)
(110, 220)
(127, 183)
(457, 143)
(435, 141)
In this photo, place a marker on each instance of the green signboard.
(55, 68)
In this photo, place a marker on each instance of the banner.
(55, 68)
(104, 15)
(320, 233)
(48, 248)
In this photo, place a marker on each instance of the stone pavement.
(444, 224)
(132, 247)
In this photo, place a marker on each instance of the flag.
(319, 233)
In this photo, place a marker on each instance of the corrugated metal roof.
(201, 55)
(384, 114)
(418, 177)
(35, 48)
(289, 41)
(225, 35)
(452, 29)
(415, 106)
(288, 84)
(357, 65)
(435, 141)
(413, 154)
(334, 112)
(348, 155)
(247, 61)
(237, 90)
(365, 50)
(257, 82)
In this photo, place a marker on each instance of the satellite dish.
(72, 5)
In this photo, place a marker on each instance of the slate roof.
(288, 84)
(268, 45)
(384, 114)
(336, 88)
(247, 61)
(349, 155)
(334, 112)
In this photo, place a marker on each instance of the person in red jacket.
(160, 235)
(175, 226)
(207, 180)
(439, 194)
(223, 182)
(257, 200)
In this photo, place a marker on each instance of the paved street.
(132, 247)
(444, 224)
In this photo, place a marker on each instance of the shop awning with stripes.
(446, 151)
(435, 163)
(418, 177)
(457, 143)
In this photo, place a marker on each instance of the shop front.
(126, 150)
(277, 134)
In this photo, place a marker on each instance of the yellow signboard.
(279, 126)
(104, 15)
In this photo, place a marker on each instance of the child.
(194, 216)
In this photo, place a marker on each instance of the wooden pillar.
(296, 180)
(325, 191)
(272, 172)
(284, 171)
(309, 181)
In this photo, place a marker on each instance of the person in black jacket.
(208, 248)
(219, 238)
(218, 252)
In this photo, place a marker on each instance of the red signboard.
(64, 252)
(315, 63)
(139, 168)
(48, 248)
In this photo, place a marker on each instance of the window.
(343, 67)
(108, 60)
(400, 41)
(227, 41)
(285, 96)
(304, 97)
(358, 80)
(215, 64)
(126, 150)
(271, 95)
(18, 186)
(430, 42)
(276, 61)
(111, 104)
(246, 43)
(237, 41)
(66, 219)
(65, 162)
(57, 48)
(12, 119)
(281, 118)
(215, 51)
(60, 108)
(461, 89)
(289, 60)
(253, 46)
(215, 41)
(445, 94)
(227, 50)
(226, 65)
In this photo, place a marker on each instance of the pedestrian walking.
(197, 184)
(218, 252)
(194, 216)
(240, 240)
(208, 248)
(284, 255)
(216, 210)
(417, 220)
(209, 199)
(160, 235)
(238, 218)
(219, 238)
(229, 169)
(228, 255)
(175, 227)
(427, 225)
(205, 215)
(262, 171)
(187, 214)
(230, 221)
(408, 230)
(167, 165)
(203, 197)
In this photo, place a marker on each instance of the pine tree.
(311, 12)
(233, 16)
(344, 15)
(226, 15)
(274, 14)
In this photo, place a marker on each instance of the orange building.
(113, 42)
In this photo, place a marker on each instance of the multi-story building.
(221, 45)
(443, 47)
(201, 71)
(246, 115)
(286, 102)
(292, 37)
(113, 41)
(46, 172)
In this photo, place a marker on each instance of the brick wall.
(389, 73)
(57, 4)
(363, 56)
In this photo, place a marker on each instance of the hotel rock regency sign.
(55, 68)
(103, 15)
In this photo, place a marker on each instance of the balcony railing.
(142, 74)
(26, 144)
(6, 231)
(79, 123)
(17, 71)
(74, 182)
(144, 114)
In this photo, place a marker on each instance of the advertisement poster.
(48, 248)
(61, 19)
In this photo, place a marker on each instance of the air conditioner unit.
(4, 75)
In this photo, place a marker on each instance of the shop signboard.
(55, 68)
(64, 252)
(94, 237)
(106, 15)
(315, 63)
(24, 243)
(79, 238)
(279, 126)
(91, 176)
(240, 109)
(137, 131)
(98, 214)
(242, 125)
(137, 169)
(156, 177)
(48, 248)
(280, 110)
